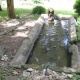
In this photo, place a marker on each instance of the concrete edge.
(27, 45)
(72, 30)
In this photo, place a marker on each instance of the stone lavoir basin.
(53, 44)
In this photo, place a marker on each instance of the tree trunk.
(10, 8)
(0, 8)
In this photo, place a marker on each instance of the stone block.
(75, 61)
(72, 31)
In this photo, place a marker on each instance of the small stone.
(50, 72)
(44, 71)
(47, 34)
(25, 73)
(38, 78)
(50, 77)
(15, 73)
(48, 49)
(27, 32)
(55, 74)
(63, 73)
(70, 75)
(29, 69)
(4, 58)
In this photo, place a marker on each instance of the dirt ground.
(12, 34)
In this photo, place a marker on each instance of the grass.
(24, 11)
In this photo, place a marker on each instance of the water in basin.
(51, 45)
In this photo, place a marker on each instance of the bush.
(36, 1)
(77, 6)
(38, 10)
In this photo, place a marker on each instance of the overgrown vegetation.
(77, 7)
(75, 76)
(78, 32)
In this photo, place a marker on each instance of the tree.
(0, 8)
(10, 8)
(77, 6)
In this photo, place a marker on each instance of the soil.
(12, 34)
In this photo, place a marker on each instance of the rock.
(50, 77)
(44, 71)
(15, 73)
(37, 78)
(70, 75)
(55, 74)
(50, 72)
(25, 73)
(75, 59)
(4, 58)
(29, 69)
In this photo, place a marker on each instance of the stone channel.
(27, 45)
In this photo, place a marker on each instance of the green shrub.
(36, 1)
(38, 10)
(77, 6)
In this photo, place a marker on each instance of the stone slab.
(64, 17)
(72, 30)
(75, 61)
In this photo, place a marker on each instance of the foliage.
(2, 76)
(25, 78)
(78, 33)
(75, 76)
(77, 6)
(38, 10)
(22, 65)
(36, 1)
